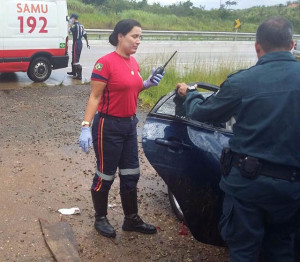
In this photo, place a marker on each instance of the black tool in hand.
(161, 69)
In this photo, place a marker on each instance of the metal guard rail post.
(175, 34)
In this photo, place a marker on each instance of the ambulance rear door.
(35, 30)
(1, 34)
(31, 25)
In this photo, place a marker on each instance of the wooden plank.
(61, 241)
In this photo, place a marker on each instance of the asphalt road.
(152, 53)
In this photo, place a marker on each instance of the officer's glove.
(156, 79)
(85, 139)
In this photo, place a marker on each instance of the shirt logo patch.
(98, 67)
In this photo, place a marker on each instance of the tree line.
(186, 11)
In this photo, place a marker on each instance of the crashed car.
(185, 153)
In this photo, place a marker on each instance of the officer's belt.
(130, 118)
(269, 169)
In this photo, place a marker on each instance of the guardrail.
(185, 35)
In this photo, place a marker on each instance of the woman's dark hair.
(276, 32)
(123, 27)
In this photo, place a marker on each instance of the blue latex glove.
(157, 78)
(85, 139)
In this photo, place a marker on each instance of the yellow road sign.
(237, 23)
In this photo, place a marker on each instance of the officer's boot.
(132, 221)
(78, 70)
(102, 225)
(72, 73)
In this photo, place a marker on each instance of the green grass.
(100, 16)
(199, 73)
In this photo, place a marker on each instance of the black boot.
(132, 221)
(102, 225)
(72, 73)
(78, 71)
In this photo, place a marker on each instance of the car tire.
(175, 206)
(39, 69)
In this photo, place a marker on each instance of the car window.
(168, 107)
(171, 105)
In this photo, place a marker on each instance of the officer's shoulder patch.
(235, 72)
(98, 66)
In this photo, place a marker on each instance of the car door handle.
(174, 144)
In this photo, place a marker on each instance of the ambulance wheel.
(175, 206)
(39, 69)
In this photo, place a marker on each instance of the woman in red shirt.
(115, 85)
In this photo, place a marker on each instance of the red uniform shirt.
(122, 87)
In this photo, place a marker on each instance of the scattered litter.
(182, 231)
(112, 205)
(69, 211)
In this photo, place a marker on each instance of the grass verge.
(197, 73)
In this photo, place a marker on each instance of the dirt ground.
(42, 169)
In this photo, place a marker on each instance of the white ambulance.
(33, 37)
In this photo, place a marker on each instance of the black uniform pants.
(76, 51)
(115, 145)
(267, 218)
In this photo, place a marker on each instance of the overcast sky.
(209, 4)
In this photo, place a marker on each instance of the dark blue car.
(185, 153)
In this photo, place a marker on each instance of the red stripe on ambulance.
(27, 53)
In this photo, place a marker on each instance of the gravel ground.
(42, 170)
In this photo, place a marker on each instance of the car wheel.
(39, 69)
(175, 206)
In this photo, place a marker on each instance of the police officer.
(115, 85)
(261, 169)
(78, 32)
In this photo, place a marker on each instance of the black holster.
(249, 167)
(226, 161)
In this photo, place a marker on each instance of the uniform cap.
(74, 16)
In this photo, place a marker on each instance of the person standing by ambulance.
(78, 32)
(115, 85)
